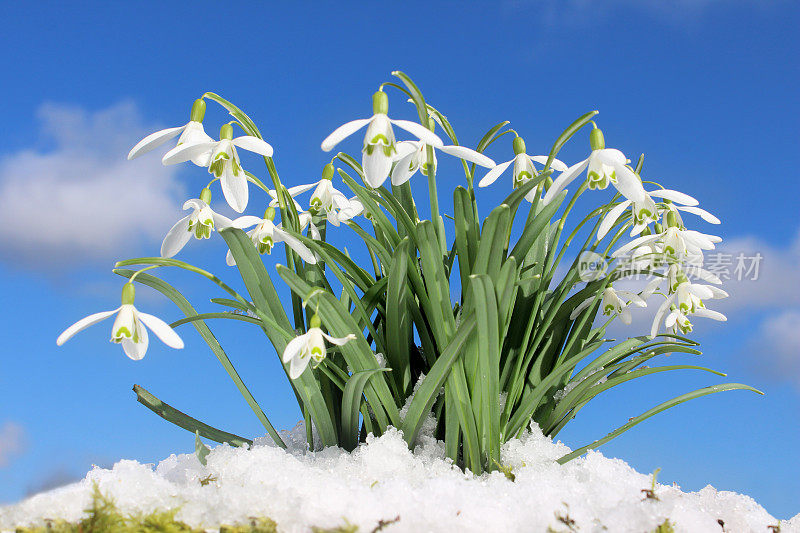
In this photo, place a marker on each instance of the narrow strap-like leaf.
(351, 402)
(655, 410)
(180, 419)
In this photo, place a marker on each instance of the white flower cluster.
(668, 250)
(663, 248)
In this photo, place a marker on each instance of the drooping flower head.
(266, 234)
(379, 148)
(604, 166)
(523, 170)
(190, 133)
(413, 156)
(310, 345)
(129, 327)
(224, 162)
(201, 223)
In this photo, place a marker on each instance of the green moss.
(665, 527)
(347, 527)
(104, 517)
(257, 525)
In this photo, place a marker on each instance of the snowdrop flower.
(413, 156)
(129, 327)
(605, 165)
(614, 301)
(646, 211)
(687, 300)
(201, 222)
(702, 213)
(523, 168)
(311, 345)
(328, 199)
(224, 162)
(190, 133)
(676, 241)
(266, 234)
(379, 148)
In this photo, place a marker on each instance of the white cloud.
(82, 200)
(774, 352)
(12, 442)
(778, 276)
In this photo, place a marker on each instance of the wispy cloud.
(577, 13)
(774, 351)
(12, 442)
(82, 200)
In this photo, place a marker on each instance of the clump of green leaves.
(501, 339)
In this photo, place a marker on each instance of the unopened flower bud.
(671, 219)
(519, 146)
(327, 172)
(596, 139)
(380, 103)
(128, 293)
(314, 321)
(198, 110)
(226, 132)
(205, 195)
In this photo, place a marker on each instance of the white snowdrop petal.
(628, 184)
(254, 144)
(339, 341)
(493, 174)
(154, 140)
(234, 188)
(245, 221)
(611, 218)
(162, 330)
(674, 196)
(564, 179)
(376, 167)
(422, 133)
(293, 347)
(295, 244)
(176, 238)
(639, 241)
(343, 131)
(136, 350)
(556, 164)
(611, 157)
(185, 152)
(297, 366)
(82, 324)
(402, 170)
(702, 213)
(229, 260)
(708, 313)
(468, 155)
(580, 307)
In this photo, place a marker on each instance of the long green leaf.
(180, 419)
(258, 283)
(434, 380)
(351, 402)
(654, 411)
(183, 304)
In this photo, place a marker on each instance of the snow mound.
(384, 480)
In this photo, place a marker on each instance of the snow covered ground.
(383, 480)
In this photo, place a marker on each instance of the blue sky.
(707, 89)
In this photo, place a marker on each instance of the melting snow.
(383, 480)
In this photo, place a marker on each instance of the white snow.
(383, 479)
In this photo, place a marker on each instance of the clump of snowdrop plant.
(358, 342)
